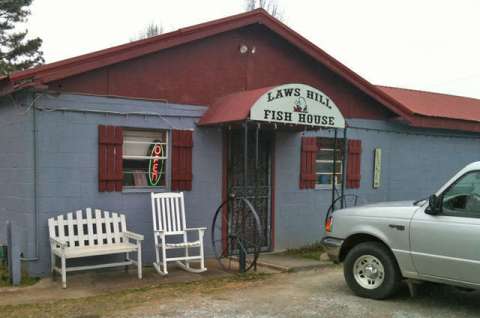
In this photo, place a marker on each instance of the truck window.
(463, 197)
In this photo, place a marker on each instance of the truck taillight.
(328, 224)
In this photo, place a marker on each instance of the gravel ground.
(316, 293)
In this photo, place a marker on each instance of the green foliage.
(312, 251)
(16, 51)
(5, 277)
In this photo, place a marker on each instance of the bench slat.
(71, 233)
(51, 227)
(81, 238)
(94, 228)
(98, 220)
(108, 229)
(91, 236)
(116, 233)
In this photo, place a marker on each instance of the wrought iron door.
(258, 187)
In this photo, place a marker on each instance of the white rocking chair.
(168, 213)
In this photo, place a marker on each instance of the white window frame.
(165, 157)
(338, 176)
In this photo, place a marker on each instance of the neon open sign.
(155, 166)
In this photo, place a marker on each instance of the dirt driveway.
(318, 293)
(314, 293)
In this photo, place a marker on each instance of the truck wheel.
(371, 271)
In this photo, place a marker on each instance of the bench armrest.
(55, 241)
(133, 236)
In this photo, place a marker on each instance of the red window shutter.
(110, 165)
(182, 144)
(308, 163)
(353, 163)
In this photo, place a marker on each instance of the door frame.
(225, 186)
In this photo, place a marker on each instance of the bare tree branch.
(271, 6)
(152, 29)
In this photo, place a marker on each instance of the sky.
(425, 45)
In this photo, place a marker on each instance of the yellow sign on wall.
(377, 167)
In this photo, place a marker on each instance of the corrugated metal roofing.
(232, 108)
(436, 104)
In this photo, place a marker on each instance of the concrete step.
(290, 263)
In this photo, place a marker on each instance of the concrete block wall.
(16, 167)
(415, 163)
(68, 163)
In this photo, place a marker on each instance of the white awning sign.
(297, 104)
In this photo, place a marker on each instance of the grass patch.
(5, 277)
(312, 251)
(118, 301)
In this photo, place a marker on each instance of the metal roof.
(84, 63)
(232, 108)
(415, 108)
(436, 104)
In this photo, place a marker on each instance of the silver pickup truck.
(435, 239)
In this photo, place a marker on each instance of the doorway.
(257, 187)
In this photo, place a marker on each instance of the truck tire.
(371, 271)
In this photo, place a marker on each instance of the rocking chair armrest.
(55, 241)
(197, 229)
(159, 232)
(133, 236)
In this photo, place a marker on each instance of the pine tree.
(17, 52)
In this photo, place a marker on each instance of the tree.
(271, 6)
(17, 52)
(150, 30)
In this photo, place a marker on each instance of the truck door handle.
(397, 227)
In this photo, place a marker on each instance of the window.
(145, 156)
(463, 197)
(325, 172)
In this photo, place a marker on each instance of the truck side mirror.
(434, 205)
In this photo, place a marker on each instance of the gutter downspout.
(35, 186)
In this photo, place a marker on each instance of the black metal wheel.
(344, 201)
(236, 237)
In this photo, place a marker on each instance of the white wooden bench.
(91, 234)
(168, 212)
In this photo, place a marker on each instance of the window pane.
(327, 154)
(326, 167)
(145, 136)
(324, 164)
(138, 150)
(144, 173)
(464, 196)
(326, 179)
(137, 143)
(144, 158)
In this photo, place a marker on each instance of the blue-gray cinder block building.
(207, 94)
